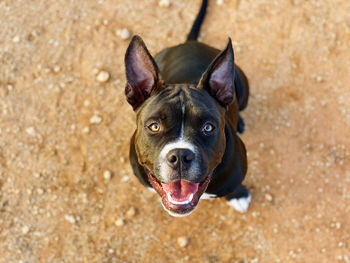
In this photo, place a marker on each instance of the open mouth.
(179, 197)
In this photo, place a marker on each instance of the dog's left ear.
(218, 79)
(141, 73)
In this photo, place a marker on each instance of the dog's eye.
(154, 127)
(208, 128)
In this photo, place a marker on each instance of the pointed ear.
(218, 79)
(141, 73)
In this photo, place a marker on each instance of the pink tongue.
(180, 190)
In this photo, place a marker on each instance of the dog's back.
(186, 62)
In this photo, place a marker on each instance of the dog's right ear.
(218, 79)
(141, 73)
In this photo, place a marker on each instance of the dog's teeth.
(180, 203)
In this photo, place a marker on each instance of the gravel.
(95, 119)
(123, 33)
(182, 241)
(131, 212)
(164, 3)
(107, 175)
(103, 76)
(70, 219)
(25, 229)
(119, 222)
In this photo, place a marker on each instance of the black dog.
(187, 102)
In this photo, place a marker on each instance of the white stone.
(56, 69)
(123, 33)
(103, 76)
(16, 39)
(30, 131)
(107, 175)
(119, 222)
(85, 130)
(36, 175)
(95, 119)
(25, 229)
(182, 241)
(70, 218)
(164, 3)
(131, 212)
(268, 197)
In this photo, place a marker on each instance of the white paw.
(207, 196)
(241, 204)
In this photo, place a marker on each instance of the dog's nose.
(177, 157)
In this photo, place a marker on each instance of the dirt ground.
(67, 192)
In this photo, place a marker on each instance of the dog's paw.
(240, 204)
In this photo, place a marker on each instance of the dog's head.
(180, 136)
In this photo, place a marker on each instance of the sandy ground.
(67, 193)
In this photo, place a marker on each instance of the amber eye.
(208, 128)
(154, 127)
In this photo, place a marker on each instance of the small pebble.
(268, 197)
(36, 175)
(30, 131)
(123, 33)
(70, 219)
(56, 69)
(131, 212)
(122, 159)
(164, 3)
(9, 87)
(219, 2)
(85, 130)
(119, 222)
(40, 191)
(95, 119)
(107, 175)
(255, 214)
(103, 76)
(125, 178)
(319, 79)
(16, 39)
(25, 229)
(182, 241)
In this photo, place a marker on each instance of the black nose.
(178, 157)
